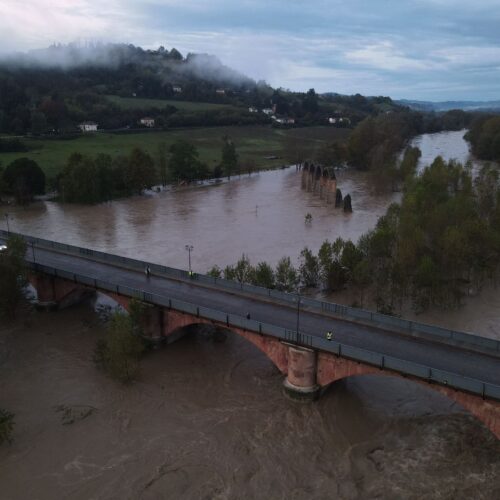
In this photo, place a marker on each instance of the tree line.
(484, 136)
(93, 179)
(432, 249)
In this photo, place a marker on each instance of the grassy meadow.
(141, 103)
(253, 144)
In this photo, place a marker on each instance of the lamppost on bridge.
(297, 291)
(189, 249)
(33, 251)
(6, 215)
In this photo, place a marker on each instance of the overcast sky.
(418, 49)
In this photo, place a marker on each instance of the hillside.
(51, 91)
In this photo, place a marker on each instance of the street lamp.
(298, 311)
(6, 215)
(189, 249)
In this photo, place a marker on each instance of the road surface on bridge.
(437, 355)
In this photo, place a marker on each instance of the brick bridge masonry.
(306, 371)
(319, 179)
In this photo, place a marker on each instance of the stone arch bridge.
(319, 179)
(463, 367)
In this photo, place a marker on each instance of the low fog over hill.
(162, 62)
(448, 105)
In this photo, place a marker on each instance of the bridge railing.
(430, 374)
(411, 328)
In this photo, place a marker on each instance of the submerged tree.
(119, 352)
(309, 269)
(264, 275)
(286, 275)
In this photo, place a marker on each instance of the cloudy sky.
(418, 49)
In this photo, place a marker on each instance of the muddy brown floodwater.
(261, 215)
(207, 420)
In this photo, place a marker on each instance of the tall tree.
(24, 178)
(162, 162)
(184, 163)
(140, 171)
(229, 162)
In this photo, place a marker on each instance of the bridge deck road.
(453, 359)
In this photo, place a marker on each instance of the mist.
(113, 55)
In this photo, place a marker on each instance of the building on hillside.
(147, 121)
(220, 92)
(177, 89)
(284, 120)
(251, 109)
(339, 121)
(267, 111)
(88, 127)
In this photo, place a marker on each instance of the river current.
(208, 419)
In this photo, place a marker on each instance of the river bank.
(208, 420)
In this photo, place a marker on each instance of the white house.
(220, 92)
(332, 120)
(177, 89)
(88, 127)
(284, 121)
(251, 109)
(268, 111)
(147, 121)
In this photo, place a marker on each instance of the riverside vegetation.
(12, 281)
(438, 244)
(119, 352)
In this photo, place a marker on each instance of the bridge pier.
(151, 323)
(53, 293)
(46, 291)
(300, 382)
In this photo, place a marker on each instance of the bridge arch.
(331, 368)
(276, 351)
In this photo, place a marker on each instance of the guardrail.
(430, 374)
(412, 328)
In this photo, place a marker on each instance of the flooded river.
(207, 420)
(260, 215)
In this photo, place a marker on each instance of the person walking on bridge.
(329, 335)
(148, 272)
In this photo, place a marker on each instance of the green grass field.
(253, 144)
(140, 103)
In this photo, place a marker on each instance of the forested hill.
(125, 69)
(54, 89)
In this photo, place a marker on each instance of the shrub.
(6, 426)
(119, 353)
